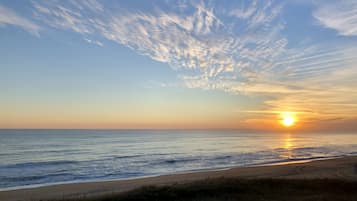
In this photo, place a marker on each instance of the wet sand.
(338, 168)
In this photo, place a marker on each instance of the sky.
(178, 64)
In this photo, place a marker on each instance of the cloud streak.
(9, 17)
(338, 15)
(94, 42)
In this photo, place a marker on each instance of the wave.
(123, 174)
(140, 155)
(22, 179)
(223, 157)
(126, 157)
(39, 164)
(35, 177)
(293, 160)
(181, 160)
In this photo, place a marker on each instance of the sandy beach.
(338, 168)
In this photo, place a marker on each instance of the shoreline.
(335, 168)
(263, 164)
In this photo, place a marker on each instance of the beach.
(162, 100)
(343, 168)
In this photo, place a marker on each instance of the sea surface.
(43, 157)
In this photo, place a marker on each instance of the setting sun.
(288, 119)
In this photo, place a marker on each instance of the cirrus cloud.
(338, 15)
(9, 17)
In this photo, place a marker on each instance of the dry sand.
(339, 168)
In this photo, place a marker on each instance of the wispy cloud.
(9, 17)
(193, 40)
(59, 16)
(338, 15)
(239, 48)
(94, 42)
(246, 10)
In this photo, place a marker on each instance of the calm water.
(32, 157)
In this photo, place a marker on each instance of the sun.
(287, 119)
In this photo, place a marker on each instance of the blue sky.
(177, 64)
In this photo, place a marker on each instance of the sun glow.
(287, 119)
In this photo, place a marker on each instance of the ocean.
(43, 157)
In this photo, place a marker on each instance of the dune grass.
(224, 189)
